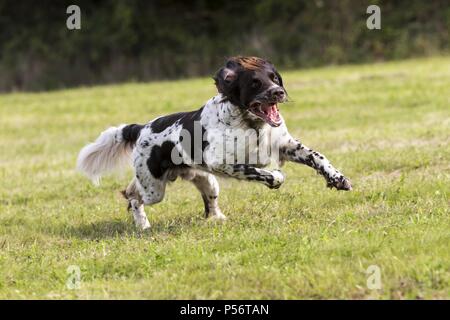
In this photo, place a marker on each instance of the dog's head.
(254, 85)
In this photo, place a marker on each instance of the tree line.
(138, 40)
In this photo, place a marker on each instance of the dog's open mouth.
(268, 112)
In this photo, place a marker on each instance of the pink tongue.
(272, 112)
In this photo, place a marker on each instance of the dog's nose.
(278, 93)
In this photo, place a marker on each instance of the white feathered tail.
(108, 153)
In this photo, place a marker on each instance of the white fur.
(107, 154)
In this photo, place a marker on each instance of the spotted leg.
(208, 186)
(139, 195)
(272, 179)
(295, 151)
(136, 205)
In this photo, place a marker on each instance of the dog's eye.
(256, 83)
(274, 78)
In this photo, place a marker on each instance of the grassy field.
(386, 126)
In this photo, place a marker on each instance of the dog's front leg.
(272, 179)
(295, 151)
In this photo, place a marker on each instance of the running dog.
(238, 133)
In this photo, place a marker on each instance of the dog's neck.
(230, 114)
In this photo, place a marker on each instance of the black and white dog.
(238, 133)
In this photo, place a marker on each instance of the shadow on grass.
(96, 230)
(106, 229)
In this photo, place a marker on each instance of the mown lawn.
(386, 126)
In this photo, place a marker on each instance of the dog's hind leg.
(208, 186)
(136, 205)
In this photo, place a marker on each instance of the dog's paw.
(216, 216)
(340, 183)
(277, 179)
(142, 223)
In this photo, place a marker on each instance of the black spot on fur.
(130, 133)
(188, 124)
(160, 159)
(186, 120)
(162, 123)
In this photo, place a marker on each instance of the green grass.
(386, 126)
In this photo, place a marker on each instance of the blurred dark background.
(138, 40)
